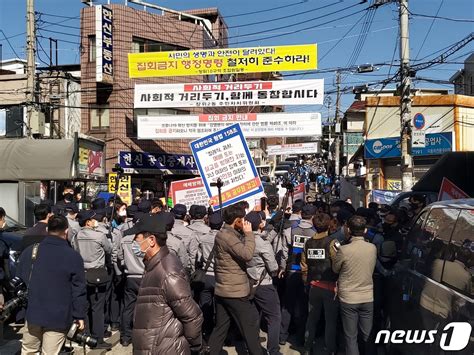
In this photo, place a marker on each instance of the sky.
(336, 26)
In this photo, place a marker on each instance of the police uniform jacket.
(93, 247)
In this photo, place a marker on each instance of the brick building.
(109, 113)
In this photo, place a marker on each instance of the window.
(142, 45)
(458, 271)
(99, 117)
(432, 242)
(92, 48)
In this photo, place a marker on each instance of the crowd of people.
(182, 281)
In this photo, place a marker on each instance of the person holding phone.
(234, 247)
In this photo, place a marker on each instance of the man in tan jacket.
(355, 264)
(232, 251)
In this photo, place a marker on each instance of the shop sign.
(245, 93)
(90, 160)
(223, 61)
(394, 185)
(449, 191)
(189, 192)
(382, 148)
(124, 188)
(297, 148)
(104, 44)
(253, 125)
(225, 155)
(149, 163)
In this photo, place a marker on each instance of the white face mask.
(122, 213)
(96, 223)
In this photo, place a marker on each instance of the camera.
(20, 298)
(77, 336)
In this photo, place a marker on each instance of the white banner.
(246, 93)
(297, 148)
(189, 192)
(253, 125)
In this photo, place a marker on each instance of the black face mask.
(69, 197)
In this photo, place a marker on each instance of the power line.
(429, 29)
(9, 43)
(442, 17)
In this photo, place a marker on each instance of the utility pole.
(338, 130)
(405, 100)
(30, 62)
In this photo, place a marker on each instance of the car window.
(458, 271)
(432, 241)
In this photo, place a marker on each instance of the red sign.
(189, 192)
(449, 191)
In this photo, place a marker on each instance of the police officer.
(94, 247)
(294, 304)
(260, 271)
(201, 247)
(317, 272)
(175, 242)
(74, 227)
(133, 269)
(199, 227)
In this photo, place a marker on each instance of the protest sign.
(189, 192)
(449, 191)
(225, 155)
(223, 61)
(227, 94)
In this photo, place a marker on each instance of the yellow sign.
(124, 187)
(223, 61)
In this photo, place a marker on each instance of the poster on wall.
(295, 148)
(223, 61)
(253, 125)
(228, 94)
(225, 155)
(189, 192)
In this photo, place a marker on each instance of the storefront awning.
(36, 159)
(456, 166)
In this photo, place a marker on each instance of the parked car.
(434, 285)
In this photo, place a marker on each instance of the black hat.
(98, 204)
(179, 210)
(308, 210)
(84, 216)
(197, 212)
(71, 208)
(144, 206)
(215, 219)
(343, 215)
(255, 219)
(148, 223)
(297, 206)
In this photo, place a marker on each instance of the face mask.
(96, 224)
(122, 213)
(136, 248)
(69, 197)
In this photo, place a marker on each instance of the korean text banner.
(245, 93)
(124, 188)
(296, 148)
(144, 162)
(223, 61)
(189, 192)
(225, 155)
(253, 125)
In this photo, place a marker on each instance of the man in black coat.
(56, 290)
(37, 233)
